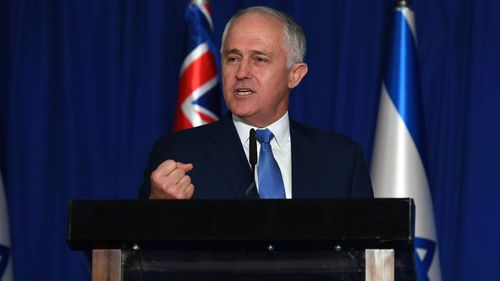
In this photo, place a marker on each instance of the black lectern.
(342, 239)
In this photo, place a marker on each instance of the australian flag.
(398, 164)
(5, 252)
(198, 98)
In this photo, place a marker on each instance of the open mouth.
(244, 91)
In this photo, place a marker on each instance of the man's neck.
(256, 123)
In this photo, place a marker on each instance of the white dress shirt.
(280, 145)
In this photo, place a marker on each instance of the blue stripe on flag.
(402, 79)
(424, 264)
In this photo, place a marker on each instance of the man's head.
(262, 60)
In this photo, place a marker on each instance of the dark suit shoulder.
(339, 169)
(186, 134)
(318, 135)
(197, 135)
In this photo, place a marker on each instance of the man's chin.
(243, 110)
(245, 116)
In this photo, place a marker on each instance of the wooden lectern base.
(107, 265)
(379, 265)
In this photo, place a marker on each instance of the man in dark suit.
(262, 60)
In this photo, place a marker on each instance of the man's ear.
(296, 73)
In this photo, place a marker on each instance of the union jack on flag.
(198, 101)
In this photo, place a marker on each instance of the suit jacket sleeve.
(361, 182)
(160, 152)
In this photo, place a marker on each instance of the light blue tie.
(270, 180)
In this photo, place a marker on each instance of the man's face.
(255, 78)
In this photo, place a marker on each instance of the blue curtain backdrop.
(87, 86)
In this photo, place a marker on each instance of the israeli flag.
(397, 168)
(5, 251)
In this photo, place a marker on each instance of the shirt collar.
(280, 129)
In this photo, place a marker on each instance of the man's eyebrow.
(253, 52)
(232, 51)
(258, 52)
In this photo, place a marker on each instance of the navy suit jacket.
(324, 164)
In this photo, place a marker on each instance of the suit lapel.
(305, 160)
(227, 155)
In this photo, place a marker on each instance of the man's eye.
(260, 59)
(232, 59)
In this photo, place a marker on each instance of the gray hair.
(295, 40)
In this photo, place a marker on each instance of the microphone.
(252, 155)
(253, 151)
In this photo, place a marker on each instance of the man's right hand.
(169, 181)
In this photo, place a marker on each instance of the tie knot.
(264, 136)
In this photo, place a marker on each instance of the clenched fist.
(170, 181)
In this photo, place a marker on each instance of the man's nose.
(244, 71)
